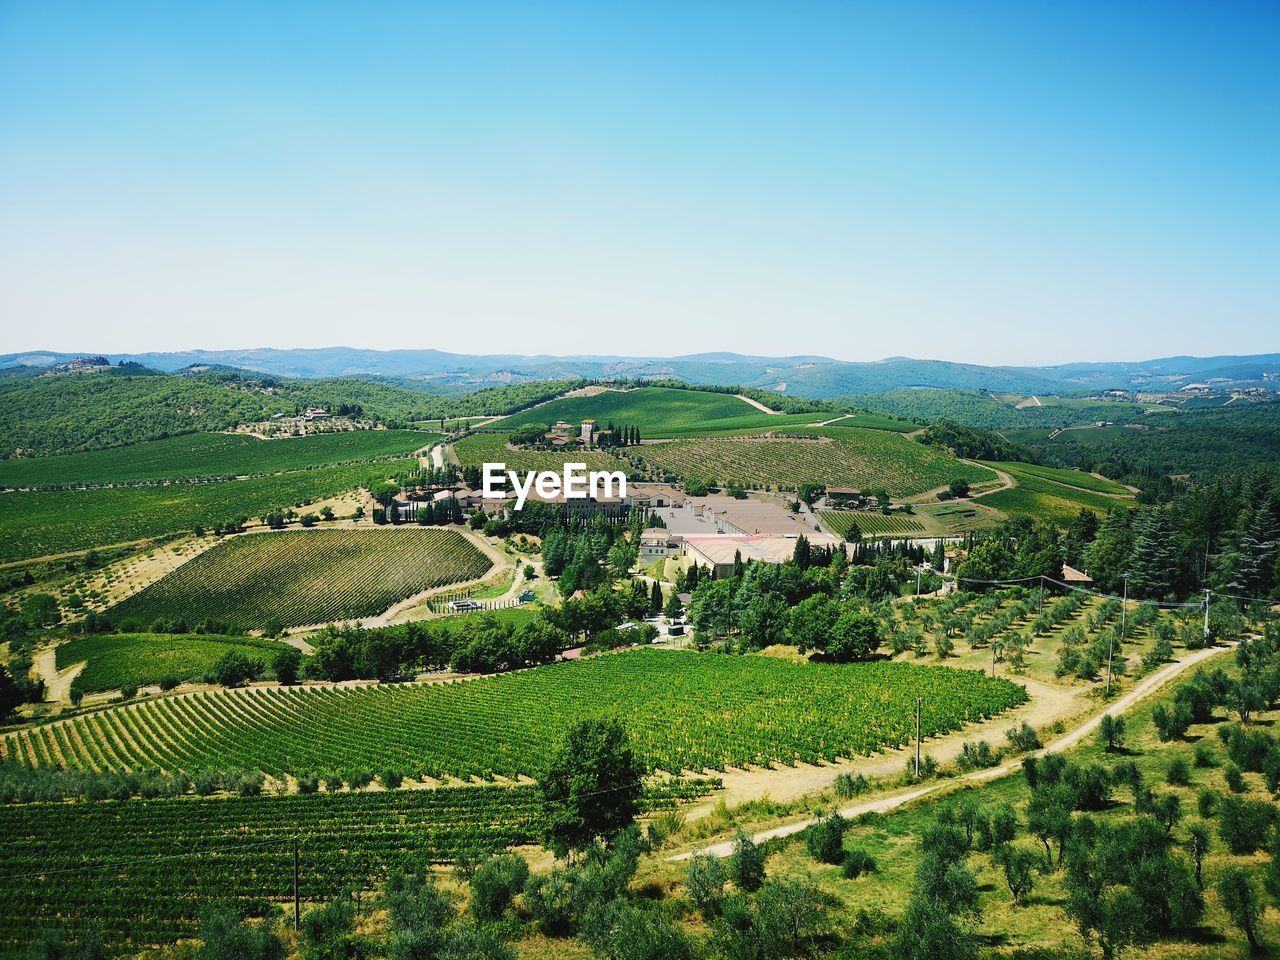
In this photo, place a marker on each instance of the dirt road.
(1145, 688)
(755, 403)
(57, 686)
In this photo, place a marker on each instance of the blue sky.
(1000, 183)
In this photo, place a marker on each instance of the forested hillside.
(69, 413)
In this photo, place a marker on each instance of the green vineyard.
(306, 576)
(346, 839)
(138, 872)
(209, 455)
(871, 524)
(652, 409)
(116, 660)
(1056, 496)
(764, 711)
(55, 521)
(851, 457)
(482, 448)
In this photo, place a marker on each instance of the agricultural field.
(1063, 640)
(346, 839)
(871, 524)
(57, 521)
(116, 660)
(301, 577)
(652, 409)
(765, 711)
(1040, 496)
(852, 457)
(1069, 478)
(209, 455)
(1039, 925)
(481, 448)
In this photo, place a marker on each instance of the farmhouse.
(1075, 578)
(846, 498)
(657, 543)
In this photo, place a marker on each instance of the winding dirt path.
(57, 686)
(892, 801)
(756, 403)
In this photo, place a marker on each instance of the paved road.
(1145, 687)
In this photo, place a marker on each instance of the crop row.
(42, 523)
(209, 455)
(764, 711)
(307, 576)
(871, 524)
(852, 457)
(346, 839)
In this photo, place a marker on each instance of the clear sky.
(1001, 183)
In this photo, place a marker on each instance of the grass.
(652, 409)
(1038, 495)
(209, 455)
(306, 576)
(1070, 478)
(851, 457)
(49, 522)
(764, 711)
(117, 660)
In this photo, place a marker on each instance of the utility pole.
(1206, 616)
(297, 909)
(1042, 594)
(917, 738)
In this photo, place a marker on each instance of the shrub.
(746, 864)
(1179, 774)
(1235, 779)
(1023, 738)
(825, 839)
(977, 756)
(1207, 803)
(1243, 825)
(1204, 755)
(851, 785)
(169, 683)
(285, 666)
(308, 783)
(495, 884)
(225, 937)
(704, 881)
(856, 863)
(391, 779)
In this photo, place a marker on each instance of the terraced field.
(116, 660)
(765, 710)
(306, 576)
(58, 521)
(1038, 495)
(871, 524)
(851, 457)
(209, 455)
(482, 448)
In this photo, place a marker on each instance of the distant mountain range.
(808, 376)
